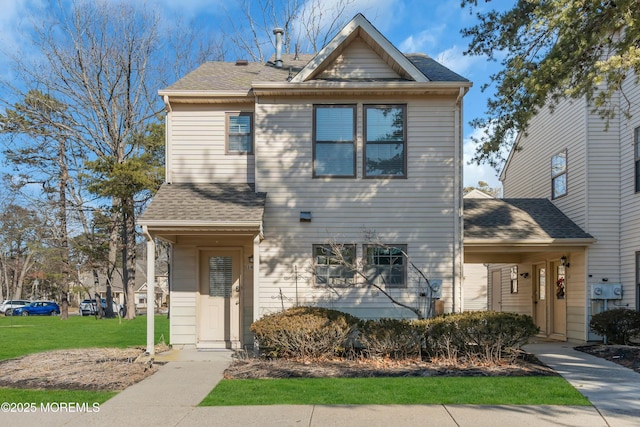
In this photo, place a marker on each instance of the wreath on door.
(560, 288)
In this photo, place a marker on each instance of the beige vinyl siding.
(197, 153)
(630, 200)
(528, 173)
(358, 61)
(417, 211)
(474, 288)
(519, 302)
(603, 211)
(183, 301)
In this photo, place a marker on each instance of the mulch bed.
(262, 368)
(625, 355)
(99, 369)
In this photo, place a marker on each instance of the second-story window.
(239, 133)
(385, 132)
(334, 148)
(636, 144)
(559, 175)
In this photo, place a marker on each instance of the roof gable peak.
(360, 27)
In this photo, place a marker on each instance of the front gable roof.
(360, 27)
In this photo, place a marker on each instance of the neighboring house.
(266, 163)
(590, 172)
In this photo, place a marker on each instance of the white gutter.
(249, 225)
(151, 290)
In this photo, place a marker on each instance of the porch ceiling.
(507, 230)
(195, 208)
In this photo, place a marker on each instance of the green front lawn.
(397, 391)
(26, 335)
(34, 334)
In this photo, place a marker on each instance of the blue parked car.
(35, 308)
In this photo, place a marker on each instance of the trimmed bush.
(619, 326)
(397, 339)
(304, 332)
(477, 336)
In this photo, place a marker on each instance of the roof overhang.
(323, 87)
(513, 251)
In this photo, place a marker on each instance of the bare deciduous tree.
(373, 278)
(307, 25)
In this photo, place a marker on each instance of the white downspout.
(256, 277)
(151, 290)
(458, 251)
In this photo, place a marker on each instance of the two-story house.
(590, 172)
(268, 162)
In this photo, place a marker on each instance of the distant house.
(591, 173)
(266, 163)
(474, 285)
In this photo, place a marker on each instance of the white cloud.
(472, 172)
(424, 41)
(464, 65)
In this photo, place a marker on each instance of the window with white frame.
(386, 266)
(559, 175)
(385, 133)
(333, 264)
(334, 141)
(239, 133)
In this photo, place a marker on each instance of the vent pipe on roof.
(278, 32)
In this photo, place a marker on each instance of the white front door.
(219, 299)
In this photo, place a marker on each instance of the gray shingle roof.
(517, 219)
(205, 203)
(213, 76)
(432, 69)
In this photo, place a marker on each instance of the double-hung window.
(334, 264)
(636, 144)
(386, 266)
(385, 133)
(334, 140)
(239, 133)
(559, 175)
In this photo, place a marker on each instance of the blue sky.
(428, 26)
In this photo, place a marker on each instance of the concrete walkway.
(170, 398)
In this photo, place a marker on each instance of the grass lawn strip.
(397, 391)
(35, 334)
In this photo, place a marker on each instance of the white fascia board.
(185, 224)
(497, 242)
(204, 93)
(272, 88)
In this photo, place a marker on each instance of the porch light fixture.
(250, 259)
(563, 261)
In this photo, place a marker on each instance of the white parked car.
(89, 307)
(7, 306)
